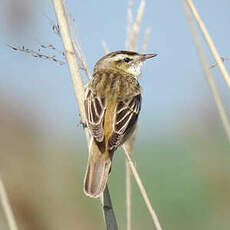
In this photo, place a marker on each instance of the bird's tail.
(97, 172)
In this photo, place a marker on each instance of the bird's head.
(125, 61)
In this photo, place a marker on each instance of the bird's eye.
(127, 60)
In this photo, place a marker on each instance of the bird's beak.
(147, 56)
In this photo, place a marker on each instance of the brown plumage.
(112, 105)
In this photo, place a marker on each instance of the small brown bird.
(112, 105)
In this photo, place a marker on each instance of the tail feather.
(97, 172)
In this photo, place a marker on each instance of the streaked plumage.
(112, 105)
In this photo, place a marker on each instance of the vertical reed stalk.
(7, 208)
(79, 92)
(209, 41)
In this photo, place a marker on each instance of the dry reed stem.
(208, 73)
(78, 85)
(210, 43)
(82, 59)
(110, 220)
(104, 44)
(136, 26)
(128, 197)
(146, 39)
(7, 208)
(77, 42)
(128, 146)
(142, 190)
(129, 23)
(130, 44)
(70, 57)
(128, 174)
(223, 60)
(38, 54)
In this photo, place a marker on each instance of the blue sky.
(173, 83)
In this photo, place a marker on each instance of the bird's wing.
(95, 110)
(127, 112)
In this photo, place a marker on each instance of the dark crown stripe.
(130, 53)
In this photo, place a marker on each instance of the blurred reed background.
(181, 150)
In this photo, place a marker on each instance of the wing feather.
(125, 121)
(95, 110)
(126, 111)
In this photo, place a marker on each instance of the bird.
(112, 105)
